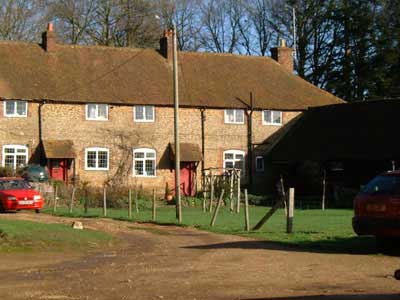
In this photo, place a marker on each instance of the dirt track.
(178, 263)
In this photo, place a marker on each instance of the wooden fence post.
(136, 201)
(246, 211)
(55, 198)
(238, 194)
(217, 208)
(154, 206)
(130, 204)
(105, 202)
(231, 189)
(323, 190)
(289, 222)
(71, 205)
(212, 193)
(204, 201)
(86, 201)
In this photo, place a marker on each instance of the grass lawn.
(328, 230)
(17, 235)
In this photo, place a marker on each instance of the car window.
(14, 185)
(383, 185)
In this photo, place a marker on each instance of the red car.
(17, 194)
(377, 207)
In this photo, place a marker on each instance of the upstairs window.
(97, 112)
(234, 116)
(234, 159)
(272, 117)
(144, 162)
(259, 164)
(143, 113)
(15, 156)
(15, 108)
(96, 158)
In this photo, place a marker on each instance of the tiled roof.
(144, 76)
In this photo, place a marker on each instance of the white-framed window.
(143, 113)
(98, 112)
(234, 116)
(144, 162)
(97, 158)
(15, 108)
(234, 159)
(272, 117)
(259, 164)
(15, 156)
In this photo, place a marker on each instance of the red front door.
(188, 178)
(58, 169)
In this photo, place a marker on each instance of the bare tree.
(21, 19)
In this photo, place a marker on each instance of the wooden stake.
(154, 206)
(86, 201)
(289, 222)
(283, 195)
(55, 199)
(246, 211)
(136, 201)
(268, 215)
(105, 202)
(130, 204)
(238, 194)
(71, 205)
(231, 189)
(204, 201)
(212, 193)
(323, 190)
(214, 218)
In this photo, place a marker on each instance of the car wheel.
(37, 211)
(397, 274)
(387, 244)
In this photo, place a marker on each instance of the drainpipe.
(40, 131)
(203, 120)
(250, 141)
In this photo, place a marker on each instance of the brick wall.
(120, 134)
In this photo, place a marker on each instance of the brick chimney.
(49, 42)
(283, 55)
(166, 44)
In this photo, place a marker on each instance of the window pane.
(150, 167)
(139, 154)
(229, 165)
(91, 111)
(239, 156)
(20, 150)
(239, 116)
(267, 116)
(21, 108)
(149, 113)
(9, 150)
(150, 155)
(139, 112)
(102, 111)
(239, 165)
(21, 161)
(103, 159)
(9, 161)
(91, 159)
(277, 117)
(228, 155)
(259, 163)
(139, 167)
(230, 115)
(10, 107)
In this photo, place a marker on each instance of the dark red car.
(17, 194)
(377, 207)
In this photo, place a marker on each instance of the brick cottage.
(101, 114)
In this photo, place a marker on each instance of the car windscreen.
(383, 185)
(14, 185)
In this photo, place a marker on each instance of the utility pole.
(176, 129)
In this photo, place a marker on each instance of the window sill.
(144, 176)
(272, 124)
(143, 121)
(101, 120)
(15, 116)
(95, 169)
